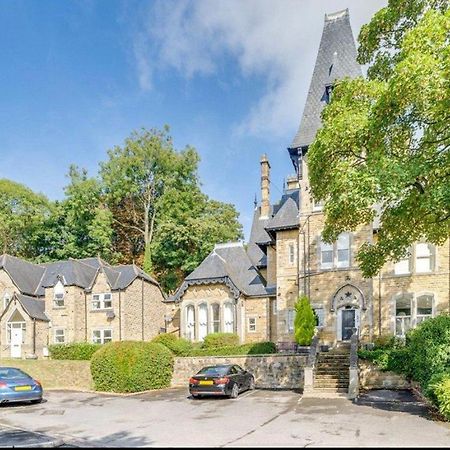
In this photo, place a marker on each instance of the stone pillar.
(265, 187)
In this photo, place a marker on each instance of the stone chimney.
(265, 187)
(292, 182)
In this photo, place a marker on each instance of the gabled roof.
(336, 59)
(286, 213)
(33, 307)
(258, 237)
(26, 276)
(228, 264)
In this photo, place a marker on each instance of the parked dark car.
(17, 386)
(228, 380)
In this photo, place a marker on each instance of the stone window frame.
(6, 299)
(102, 335)
(55, 336)
(101, 301)
(249, 325)
(59, 295)
(211, 321)
(334, 249)
(414, 296)
(432, 257)
(292, 253)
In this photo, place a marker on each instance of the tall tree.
(22, 215)
(137, 175)
(384, 144)
(81, 225)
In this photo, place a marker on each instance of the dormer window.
(58, 295)
(328, 93)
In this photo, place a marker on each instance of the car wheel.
(251, 385)
(195, 396)
(234, 391)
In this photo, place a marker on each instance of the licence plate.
(206, 383)
(22, 388)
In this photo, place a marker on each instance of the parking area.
(256, 418)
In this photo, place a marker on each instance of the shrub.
(131, 366)
(388, 342)
(178, 346)
(260, 348)
(438, 390)
(396, 360)
(75, 351)
(429, 348)
(305, 321)
(215, 340)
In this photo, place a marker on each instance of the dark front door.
(348, 323)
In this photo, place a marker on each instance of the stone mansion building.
(84, 300)
(251, 289)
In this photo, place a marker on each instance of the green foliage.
(215, 340)
(23, 213)
(131, 366)
(261, 348)
(178, 346)
(438, 391)
(388, 359)
(74, 351)
(304, 322)
(389, 342)
(384, 140)
(429, 347)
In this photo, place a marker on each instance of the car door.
(240, 377)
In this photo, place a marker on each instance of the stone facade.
(270, 371)
(135, 312)
(370, 377)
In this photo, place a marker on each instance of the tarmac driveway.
(256, 418)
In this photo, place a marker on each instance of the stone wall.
(370, 377)
(270, 371)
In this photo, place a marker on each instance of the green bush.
(304, 322)
(429, 349)
(178, 346)
(76, 351)
(388, 342)
(215, 340)
(438, 390)
(261, 348)
(396, 360)
(131, 366)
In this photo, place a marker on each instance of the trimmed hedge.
(216, 340)
(78, 351)
(131, 366)
(261, 348)
(178, 346)
(395, 360)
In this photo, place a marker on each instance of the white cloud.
(273, 38)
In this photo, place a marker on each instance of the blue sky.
(230, 78)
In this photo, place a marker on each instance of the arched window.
(190, 322)
(402, 315)
(215, 314)
(424, 308)
(229, 318)
(202, 321)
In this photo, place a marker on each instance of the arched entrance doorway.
(348, 301)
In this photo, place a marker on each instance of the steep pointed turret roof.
(336, 59)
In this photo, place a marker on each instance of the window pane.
(403, 306)
(402, 325)
(327, 257)
(229, 318)
(343, 242)
(107, 336)
(107, 303)
(423, 250)
(401, 267)
(215, 318)
(320, 317)
(423, 265)
(425, 305)
(343, 258)
(97, 337)
(290, 320)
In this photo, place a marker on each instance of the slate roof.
(35, 308)
(336, 59)
(228, 264)
(258, 236)
(285, 213)
(26, 276)
(32, 279)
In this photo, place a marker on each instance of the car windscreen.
(11, 374)
(217, 371)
